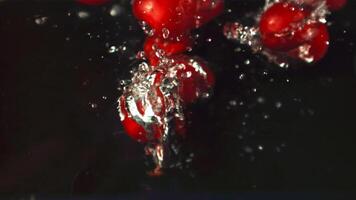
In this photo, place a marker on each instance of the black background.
(265, 129)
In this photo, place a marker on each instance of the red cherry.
(336, 4)
(207, 10)
(316, 43)
(93, 2)
(195, 78)
(172, 18)
(168, 46)
(284, 28)
(139, 130)
(132, 128)
(278, 25)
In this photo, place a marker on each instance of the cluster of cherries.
(153, 104)
(288, 29)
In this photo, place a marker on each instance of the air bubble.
(41, 20)
(165, 33)
(83, 14)
(113, 49)
(278, 105)
(116, 10)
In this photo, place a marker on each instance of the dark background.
(265, 129)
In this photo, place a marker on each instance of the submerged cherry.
(196, 80)
(132, 127)
(153, 105)
(316, 42)
(287, 28)
(172, 18)
(134, 114)
(156, 98)
(279, 23)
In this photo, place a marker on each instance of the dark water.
(265, 129)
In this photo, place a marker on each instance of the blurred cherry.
(172, 18)
(336, 4)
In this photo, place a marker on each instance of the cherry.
(285, 28)
(195, 78)
(138, 131)
(172, 18)
(278, 25)
(336, 4)
(169, 47)
(93, 2)
(132, 128)
(316, 43)
(144, 109)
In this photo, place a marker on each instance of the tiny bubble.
(83, 14)
(232, 103)
(93, 105)
(242, 76)
(278, 105)
(261, 100)
(248, 149)
(40, 20)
